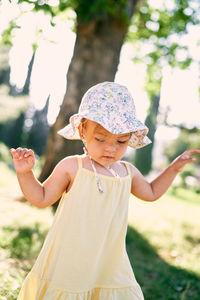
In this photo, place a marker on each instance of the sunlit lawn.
(22, 231)
(163, 241)
(167, 251)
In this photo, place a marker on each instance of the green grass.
(163, 241)
(185, 194)
(159, 279)
(19, 247)
(23, 228)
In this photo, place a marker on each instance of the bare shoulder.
(69, 165)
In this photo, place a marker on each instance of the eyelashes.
(99, 140)
(119, 142)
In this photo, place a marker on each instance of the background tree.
(156, 35)
(143, 157)
(101, 27)
(151, 27)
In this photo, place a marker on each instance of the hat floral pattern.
(112, 106)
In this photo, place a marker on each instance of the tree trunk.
(26, 87)
(143, 157)
(95, 59)
(4, 64)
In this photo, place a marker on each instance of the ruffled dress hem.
(36, 288)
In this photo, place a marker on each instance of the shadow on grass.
(22, 242)
(158, 279)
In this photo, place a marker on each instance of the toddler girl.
(84, 254)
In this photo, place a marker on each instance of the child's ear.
(80, 128)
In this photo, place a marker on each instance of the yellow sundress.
(84, 254)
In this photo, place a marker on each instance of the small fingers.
(186, 155)
(20, 153)
(28, 152)
(192, 151)
(14, 152)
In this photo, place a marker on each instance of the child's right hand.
(23, 159)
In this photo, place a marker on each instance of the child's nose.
(110, 147)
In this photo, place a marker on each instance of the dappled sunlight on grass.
(159, 279)
(8, 179)
(19, 248)
(22, 231)
(172, 226)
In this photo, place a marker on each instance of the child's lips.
(108, 157)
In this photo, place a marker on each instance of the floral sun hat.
(112, 106)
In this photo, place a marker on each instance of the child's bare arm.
(155, 189)
(39, 194)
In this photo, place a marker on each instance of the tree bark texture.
(95, 59)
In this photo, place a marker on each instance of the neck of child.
(108, 168)
(98, 164)
(96, 173)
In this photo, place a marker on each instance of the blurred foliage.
(7, 35)
(155, 34)
(87, 10)
(14, 131)
(37, 132)
(11, 132)
(10, 107)
(12, 112)
(5, 154)
(156, 28)
(4, 57)
(186, 194)
(184, 142)
(160, 31)
(95, 10)
(4, 64)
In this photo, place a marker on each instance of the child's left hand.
(179, 163)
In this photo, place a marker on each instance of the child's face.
(103, 146)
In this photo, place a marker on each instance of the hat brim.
(137, 140)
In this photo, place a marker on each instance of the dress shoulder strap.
(79, 159)
(126, 164)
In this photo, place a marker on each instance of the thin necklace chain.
(115, 174)
(96, 174)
